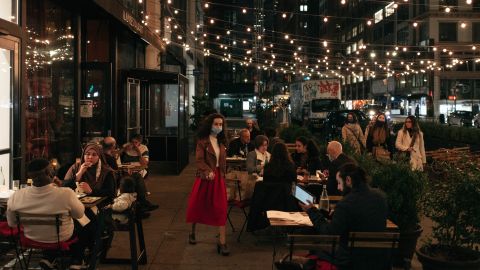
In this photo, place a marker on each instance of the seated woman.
(257, 159)
(299, 157)
(135, 152)
(313, 162)
(93, 175)
(281, 168)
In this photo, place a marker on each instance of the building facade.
(68, 77)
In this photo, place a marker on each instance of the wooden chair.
(61, 247)
(372, 250)
(134, 227)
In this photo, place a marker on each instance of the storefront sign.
(86, 108)
(130, 20)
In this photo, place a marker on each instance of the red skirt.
(208, 201)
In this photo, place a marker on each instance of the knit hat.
(37, 165)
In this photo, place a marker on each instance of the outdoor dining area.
(69, 221)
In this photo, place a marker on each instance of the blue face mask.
(216, 131)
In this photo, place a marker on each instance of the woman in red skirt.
(208, 201)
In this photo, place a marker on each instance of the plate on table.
(81, 195)
(90, 199)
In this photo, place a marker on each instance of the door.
(8, 89)
(133, 107)
(95, 108)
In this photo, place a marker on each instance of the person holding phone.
(208, 200)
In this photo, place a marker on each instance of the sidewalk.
(166, 235)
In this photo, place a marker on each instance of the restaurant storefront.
(59, 76)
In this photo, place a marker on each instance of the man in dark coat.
(241, 146)
(338, 159)
(362, 209)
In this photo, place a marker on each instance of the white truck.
(311, 101)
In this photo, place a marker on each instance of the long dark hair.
(415, 126)
(385, 124)
(280, 161)
(355, 120)
(206, 127)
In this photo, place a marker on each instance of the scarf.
(95, 175)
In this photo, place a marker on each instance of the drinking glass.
(16, 184)
(23, 186)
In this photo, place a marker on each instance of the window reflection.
(9, 10)
(50, 88)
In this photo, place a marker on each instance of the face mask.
(350, 121)
(379, 123)
(216, 131)
(329, 157)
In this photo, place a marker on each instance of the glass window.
(447, 31)
(379, 16)
(163, 109)
(389, 9)
(95, 90)
(476, 32)
(6, 78)
(98, 41)
(50, 82)
(9, 10)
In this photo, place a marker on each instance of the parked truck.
(311, 101)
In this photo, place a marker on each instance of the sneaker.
(78, 265)
(46, 264)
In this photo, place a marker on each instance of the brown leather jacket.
(206, 160)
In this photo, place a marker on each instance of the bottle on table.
(324, 203)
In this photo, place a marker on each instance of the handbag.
(380, 153)
(406, 154)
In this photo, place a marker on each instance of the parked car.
(476, 120)
(371, 110)
(460, 118)
(335, 121)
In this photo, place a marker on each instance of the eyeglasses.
(408, 121)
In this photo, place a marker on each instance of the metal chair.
(372, 250)
(61, 247)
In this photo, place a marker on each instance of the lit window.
(389, 9)
(379, 16)
(304, 8)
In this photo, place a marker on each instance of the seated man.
(241, 146)
(362, 209)
(109, 145)
(338, 159)
(109, 149)
(44, 198)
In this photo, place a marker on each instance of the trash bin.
(441, 118)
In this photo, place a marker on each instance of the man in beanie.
(44, 198)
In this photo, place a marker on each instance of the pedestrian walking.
(379, 140)
(208, 200)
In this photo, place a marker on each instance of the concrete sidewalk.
(166, 235)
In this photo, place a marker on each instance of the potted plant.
(404, 189)
(452, 202)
